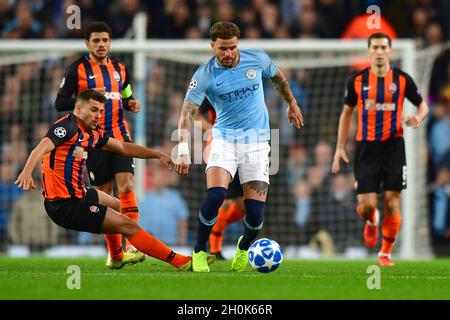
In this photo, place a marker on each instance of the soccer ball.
(265, 255)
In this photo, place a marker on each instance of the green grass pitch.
(46, 278)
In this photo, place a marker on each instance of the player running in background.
(378, 92)
(232, 82)
(68, 203)
(97, 71)
(233, 207)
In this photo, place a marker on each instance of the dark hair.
(96, 26)
(86, 95)
(379, 35)
(224, 30)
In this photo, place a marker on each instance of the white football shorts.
(251, 159)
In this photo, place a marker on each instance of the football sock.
(154, 247)
(129, 208)
(216, 236)
(253, 222)
(114, 245)
(208, 216)
(390, 228)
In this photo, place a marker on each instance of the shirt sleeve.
(69, 84)
(350, 96)
(127, 92)
(268, 66)
(61, 132)
(102, 139)
(198, 86)
(412, 93)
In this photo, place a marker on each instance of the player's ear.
(213, 44)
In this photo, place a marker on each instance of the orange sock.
(114, 245)
(216, 236)
(390, 228)
(153, 247)
(129, 207)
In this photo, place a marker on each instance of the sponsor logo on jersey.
(370, 104)
(113, 95)
(240, 94)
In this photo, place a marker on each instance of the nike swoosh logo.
(81, 140)
(218, 84)
(92, 77)
(366, 88)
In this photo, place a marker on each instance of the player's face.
(226, 51)
(90, 113)
(99, 44)
(380, 52)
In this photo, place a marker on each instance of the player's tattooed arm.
(281, 84)
(188, 112)
(294, 114)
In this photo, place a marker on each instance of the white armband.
(183, 149)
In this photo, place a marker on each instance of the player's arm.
(350, 100)
(412, 94)
(65, 99)
(344, 125)
(25, 180)
(188, 113)
(132, 150)
(294, 113)
(128, 101)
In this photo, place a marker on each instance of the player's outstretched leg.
(207, 217)
(253, 223)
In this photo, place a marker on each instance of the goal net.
(310, 212)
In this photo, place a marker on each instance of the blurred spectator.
(303, 203)
(24, 26)
(164, 212)
(8, 195)
(29, 223)
(123, 17)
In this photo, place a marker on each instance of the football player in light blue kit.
(232, 82)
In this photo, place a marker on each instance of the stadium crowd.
(318, 201)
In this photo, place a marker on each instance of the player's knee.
(128, 226)
(254, 216)
(392, 205)
(366, 208)
(215, 198)
(126, 186)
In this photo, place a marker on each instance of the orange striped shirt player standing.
(97, 71)
(378, 94)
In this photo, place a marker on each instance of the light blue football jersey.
(237, 96)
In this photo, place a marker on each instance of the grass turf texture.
(45, 278)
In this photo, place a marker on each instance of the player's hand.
(25, 181)
(182, 165)
(340, 154)
(167, 161)
(412, 121)
(295, 116)
(134, 105)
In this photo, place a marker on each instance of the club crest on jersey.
(392, 88)
(94, 209)
(92, 175)
(60, 132)
(251, 74)
(116, 76)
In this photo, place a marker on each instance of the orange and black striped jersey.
(113, 79)
(380, 102)
(63, 167)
